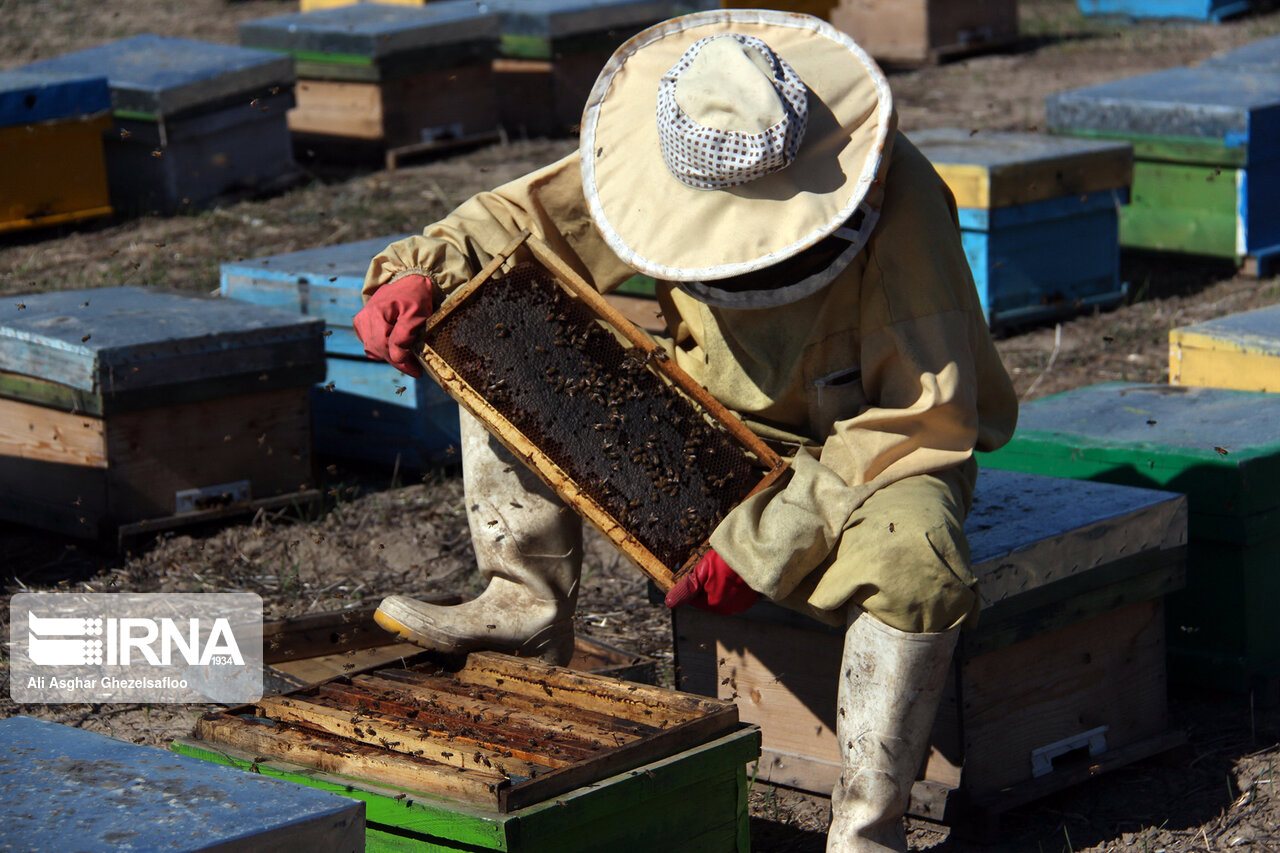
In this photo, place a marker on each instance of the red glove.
(713, 586)
(388, 325)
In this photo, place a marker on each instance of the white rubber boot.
(890, 686)
(528, 545)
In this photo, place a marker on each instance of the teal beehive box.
(193, 120)
(364, 410)
(1207, 157)
(1022, 199)
(1218, 447)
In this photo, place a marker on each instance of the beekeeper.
(811, 277)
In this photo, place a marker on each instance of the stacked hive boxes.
(1207, 444)
(51, 162)
(552, 52)
(366, 410)
(1207, 147)
(919, 31)
(125, 407)
(390, 77)
(1022, 198)
(193, 120)
(1068, 656)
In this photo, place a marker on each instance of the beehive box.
(363, 410)
(1198, 10)
(193, 120)
(1207, 149)
(316, 647)
(51, 162)
(1067, 658)
(1240, 351)
(387, 77)
(553, 50)
(129, 409)
(1022, 197)
(1214, 445)
(595, 408)
(927, 31)
(70, 789)
(1259, 57)
(500, 753)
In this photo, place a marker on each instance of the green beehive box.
(1218, 447)
(496, 753)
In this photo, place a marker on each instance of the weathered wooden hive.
(1217, 447)
(1062, 677)
(596, 408)
(393, 79)
(129, 409)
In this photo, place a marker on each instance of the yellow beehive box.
(1239, 351)
(52, 168)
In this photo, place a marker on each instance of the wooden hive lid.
(109, 794)
(160, 77)
(1262, 56)
(1217, 446)
(994, 169)
(116, 348)
(530, 27)
(324, 282)
(27, 97)
(1256, 331)
(1228, 108)
(374, 31)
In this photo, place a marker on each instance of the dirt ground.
(379, 534)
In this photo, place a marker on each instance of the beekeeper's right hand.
(389, 324)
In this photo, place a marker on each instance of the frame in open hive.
(596, 408)
(497, 732)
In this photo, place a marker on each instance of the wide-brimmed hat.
(721, 143)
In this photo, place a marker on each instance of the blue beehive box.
(69, 789)
(388, 76)
(1217, 447)
(1038, 217)
(366, 410)
(1261, 57)
(1199, 10)
(1207, 157)
(194, 120)
(51, 162)
(552, 52)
